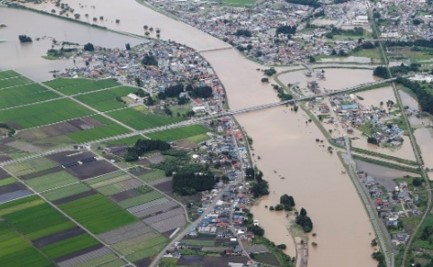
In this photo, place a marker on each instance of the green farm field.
(15, 250)
(106, 100)
(178, 133)
(66, 191)
(152, 176)
(30, 166)
(138, 200)
(14, 81)
(100, 214)
(25, 94)
(52, 180)
(141, 121)
(76, 86)
(43, 113)
(34, 218)
(69, 246)
(7, 74)
(107, 129)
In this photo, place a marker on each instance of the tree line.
(143, 146)
(423, 93)
(189, 183)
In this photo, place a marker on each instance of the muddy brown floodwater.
(285, 144)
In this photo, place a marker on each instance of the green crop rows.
(141, 121)
(106, 100)
(44, 113)
(76, 86)
(99, 215)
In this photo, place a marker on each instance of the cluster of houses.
(393, 202)
(253, 29)
(175, 64)
(405, 19)
(375, 122)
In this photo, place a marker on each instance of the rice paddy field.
(43, 113)
(84, 198)
(179, 133)
(24, 94)
(100, 214)
(51, 180)
(69, 86)
(107, 99)
(106, 129)
(140, 120)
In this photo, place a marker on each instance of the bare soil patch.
(41, 173)
(11, 188)
(3, 173)
(66, 234)
(73, 197)
(166, 187)
(124, 195)
(79, 253)
(91, 169)
(69, 157)
(137, 171)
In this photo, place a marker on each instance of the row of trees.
(201, 91)
(143, 146)
(189, 183)
(312, 3)
(423, 93)
(382, 72)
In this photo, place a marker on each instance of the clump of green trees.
(423, 93)
(259, 187)
(189, 183)
(304, 221)
(143, 146)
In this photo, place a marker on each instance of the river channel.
(281, 138)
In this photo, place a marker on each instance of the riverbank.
(278, 138)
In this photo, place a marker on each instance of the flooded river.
(286, 145)
(27, 58)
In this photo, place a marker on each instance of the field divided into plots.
(141, 120)
(106, 128)
(43, 113)
(107, 99)
(25, 94)
(75, 86)
(179, 133)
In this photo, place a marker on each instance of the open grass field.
(69, 246)
(25, 94)
(52, 180)
(66, 191)
(75, 86)
(141, 121)
(43, 113)
(148, 248)
(106, 100)
(99, 215)
(34, 218)
(125, 141)
(179, 133)
(15, 250)
(99, 261)
(141, 199)
(107, 129)
(14, 81)
(30, 166)
(152, 176)
(8, 74)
